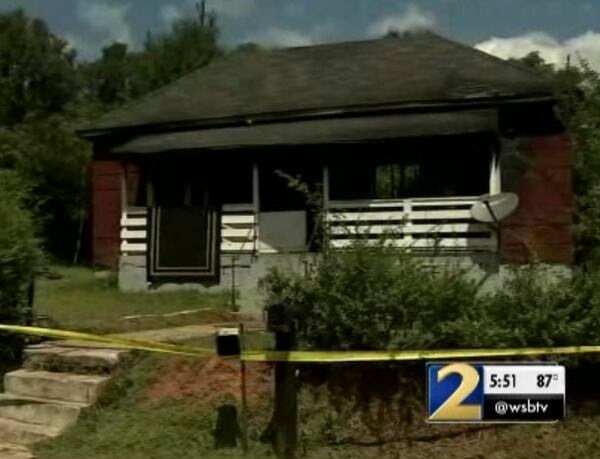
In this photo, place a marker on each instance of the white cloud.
(84, 47)
(585, 46)
(169, 13)
(412, 18)
(278, 37)
(108, 21)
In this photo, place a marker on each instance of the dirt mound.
(210, 381)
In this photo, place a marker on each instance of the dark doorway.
(286, 189)
(184, 224)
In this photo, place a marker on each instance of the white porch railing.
(133, 231)
(425, 224)
(238, 230)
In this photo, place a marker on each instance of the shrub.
(376, 298)
(373, 298)
(20, 259)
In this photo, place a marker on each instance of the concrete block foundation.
(485, 268)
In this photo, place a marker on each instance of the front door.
(184, 228)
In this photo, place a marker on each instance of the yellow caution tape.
(382, 356)
(302, 356)
(112, 340)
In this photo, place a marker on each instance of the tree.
(190, 44)
(20, 259)
(120, 74)
(53, 162)
(107, 78)
(37, 71)
(45, 92)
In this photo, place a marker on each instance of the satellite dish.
(493, 208)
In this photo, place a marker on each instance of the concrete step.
(13, 451)
(40, 411)
(22, 433)
(55, 386)
(56, 357)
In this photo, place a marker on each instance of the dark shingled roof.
(409, 70)
(317, 131)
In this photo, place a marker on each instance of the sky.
(506, 28)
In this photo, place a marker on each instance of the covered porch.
(416, 193)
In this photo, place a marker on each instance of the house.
(401, 133)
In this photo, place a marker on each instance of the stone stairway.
(56, 384)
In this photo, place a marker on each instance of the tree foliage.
(37, 71)
(54, 164)
(45, 93)
(20, 259)
(190, 44)
(121, 74)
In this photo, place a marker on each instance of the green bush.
(378, 298)
(20, 259)
(375, 298)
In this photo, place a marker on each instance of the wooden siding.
(541, 227)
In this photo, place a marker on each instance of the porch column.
(495, 177)
(325, 187)
(495, 188)
(256, 205)
(149, 191)
(123, 192)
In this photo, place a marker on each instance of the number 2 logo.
(453, 408)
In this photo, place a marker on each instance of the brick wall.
(106, 212)
(541, 228)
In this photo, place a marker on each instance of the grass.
(127, 426)
(79, 300)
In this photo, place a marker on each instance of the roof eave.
(248, 119)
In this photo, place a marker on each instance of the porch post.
(495, 188)
(495, 177)
(255, 205)
(325, 187)
(407, 226)
(123, 191)
(149, 191)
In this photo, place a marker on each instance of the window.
(433, 167)
(396, 180)
(188, 182)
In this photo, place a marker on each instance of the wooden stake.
(286, 402)
(244, 411)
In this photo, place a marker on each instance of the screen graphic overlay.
(499, 392)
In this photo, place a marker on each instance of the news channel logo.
(500, 392)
